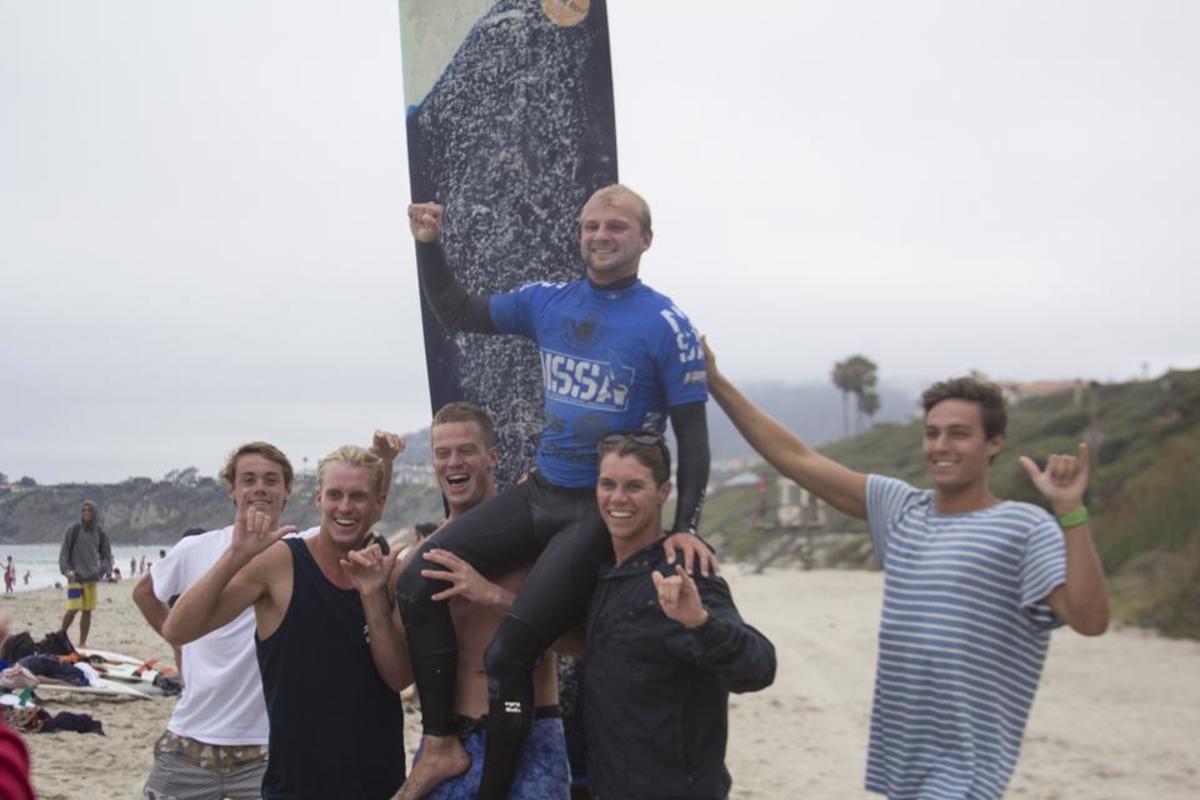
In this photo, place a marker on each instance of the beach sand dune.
(1116, 718)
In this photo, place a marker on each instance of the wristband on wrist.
(1073, 518)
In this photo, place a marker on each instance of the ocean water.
(41, 561)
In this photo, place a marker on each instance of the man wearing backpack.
(85, 558)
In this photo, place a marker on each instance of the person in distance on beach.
(336, 728)
(973, 585)
(663, 649)
(617, 356)
(85, 557)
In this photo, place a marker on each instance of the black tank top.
(337, 730)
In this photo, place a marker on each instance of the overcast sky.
(201, 206)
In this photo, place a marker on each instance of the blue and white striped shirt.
(962, 640)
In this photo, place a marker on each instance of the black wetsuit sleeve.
(691, 438)
(742, 658)
(455, 307)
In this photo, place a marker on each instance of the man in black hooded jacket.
(664, 648)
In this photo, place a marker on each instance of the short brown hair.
(648, 447)
(614, 193)
(462, 411)
(993, 411)
(265, 449)
(354, 456)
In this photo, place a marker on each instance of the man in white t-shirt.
(215, 745)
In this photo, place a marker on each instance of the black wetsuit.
(615, 358)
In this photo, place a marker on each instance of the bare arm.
(155, 612)
(841, 487)
(1082, 602)
(372, 574)
(239, 579)
(387, 446)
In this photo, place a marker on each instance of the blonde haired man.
(336, 728)
(616, 355)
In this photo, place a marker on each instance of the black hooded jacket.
(657, 693)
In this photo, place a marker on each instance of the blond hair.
(616, 194)
(353, 456)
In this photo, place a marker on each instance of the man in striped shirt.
(973, 585)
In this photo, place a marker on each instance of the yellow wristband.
(1073, 518)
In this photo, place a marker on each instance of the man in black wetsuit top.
(616, 356)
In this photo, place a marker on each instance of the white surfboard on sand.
(110, 656)
(102, 687)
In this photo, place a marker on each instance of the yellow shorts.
(81, 596)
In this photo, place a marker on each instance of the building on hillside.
(1016, 391)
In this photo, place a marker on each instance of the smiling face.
(463, 464)
(611, 238)
(957, 451)
(259, 483)
(349, 501)
(630, 502)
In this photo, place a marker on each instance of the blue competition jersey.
(611, 361)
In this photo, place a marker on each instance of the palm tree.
(856, 375)
(868, 404)
(843, 379)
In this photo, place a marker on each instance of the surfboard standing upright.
(510, 126)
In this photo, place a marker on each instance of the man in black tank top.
(337, 729)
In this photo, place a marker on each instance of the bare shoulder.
(270, 566)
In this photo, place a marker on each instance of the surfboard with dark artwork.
(510, 126)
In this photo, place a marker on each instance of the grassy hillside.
(1144, 493)
(143, 511)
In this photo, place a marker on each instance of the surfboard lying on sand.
(122, 667)
(510, 126)
(110, 656)
(102, 687)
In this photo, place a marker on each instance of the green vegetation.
(143, 511)
(1144, 493)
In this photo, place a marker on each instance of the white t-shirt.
(222, 699)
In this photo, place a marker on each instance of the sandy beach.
(1116, 718)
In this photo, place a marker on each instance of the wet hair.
(423, 530)
(265, 449)
(993, 410)
(462, 411)
(354, 456)
(615, 193)
(648, 447)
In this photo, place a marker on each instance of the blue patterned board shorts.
(542, 774)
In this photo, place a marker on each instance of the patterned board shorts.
(542, 774)
(187, 769)
(81, 596)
